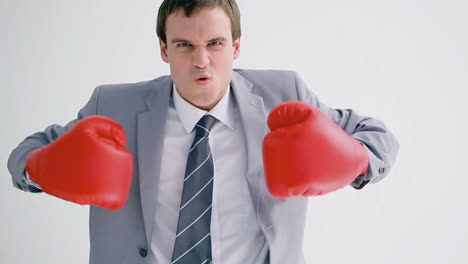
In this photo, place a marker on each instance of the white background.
(403, 62)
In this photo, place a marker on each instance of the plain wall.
(403, 62)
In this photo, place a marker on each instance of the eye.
(183, 44)
(215, 43)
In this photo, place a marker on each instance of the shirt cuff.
(360, 181)
(30, 182)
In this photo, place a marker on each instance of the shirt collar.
(189, 115)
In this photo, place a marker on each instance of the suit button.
(143, 252)
(381, 170)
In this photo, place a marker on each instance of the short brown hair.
(189, 6)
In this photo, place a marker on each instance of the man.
(209, 182)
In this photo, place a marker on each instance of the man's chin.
(205, 104)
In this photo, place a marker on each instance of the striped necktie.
(193, 240)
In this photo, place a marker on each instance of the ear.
(163, 48)
(236, 45)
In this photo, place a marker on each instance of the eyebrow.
(177, 40)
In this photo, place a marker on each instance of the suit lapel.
(150, 130)
(253, 116)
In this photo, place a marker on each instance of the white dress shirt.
(235, 234)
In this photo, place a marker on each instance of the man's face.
(200, 51)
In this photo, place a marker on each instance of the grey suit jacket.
(123, 236)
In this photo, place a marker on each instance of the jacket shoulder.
(122, 96)
(250, 74)
(274, 85)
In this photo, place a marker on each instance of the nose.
(201, 57)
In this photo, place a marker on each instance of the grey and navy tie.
(193, 240)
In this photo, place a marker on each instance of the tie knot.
(204, 126)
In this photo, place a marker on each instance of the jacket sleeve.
(381, 145)
(16, 162)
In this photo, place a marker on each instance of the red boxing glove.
(87, 165)
(306, 153)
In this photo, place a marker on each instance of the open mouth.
(203, 79)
